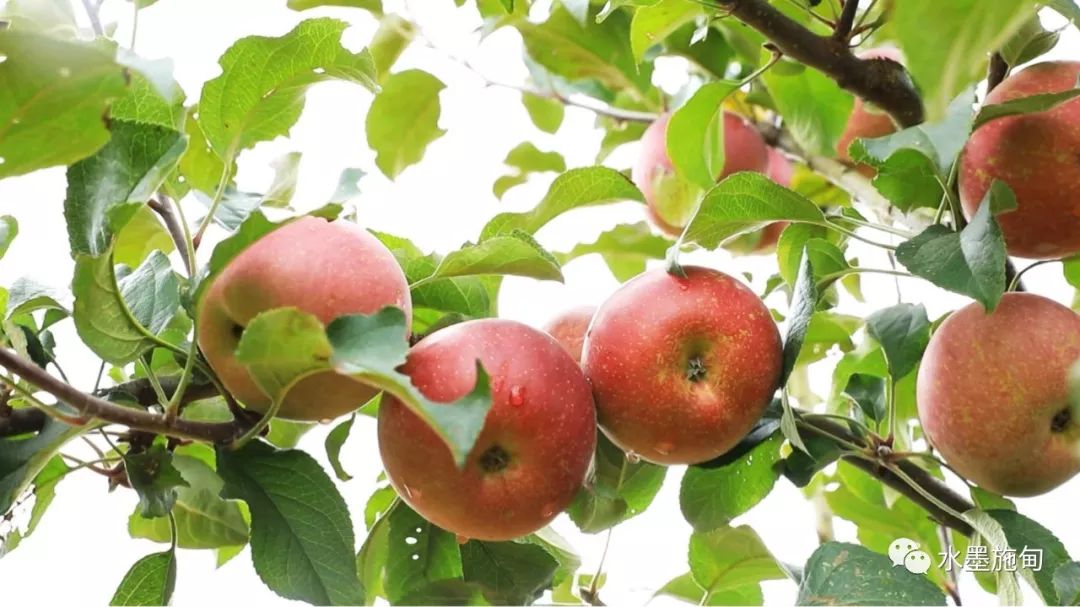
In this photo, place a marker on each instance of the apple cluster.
(677, 367)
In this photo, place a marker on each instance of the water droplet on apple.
(548, 511)
(663, 448)
(683, 285)
(517, 396)
(632, 457)
(461, 539)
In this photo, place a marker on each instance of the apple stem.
(695, 369)
(1061, 420)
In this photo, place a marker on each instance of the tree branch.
(93, 407)
(996, 71)
(176, 231)
(846, 21)
(883, 82)
(917, 474)
(21, 421)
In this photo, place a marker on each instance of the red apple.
(867, 122)
(569, 329)
(1037, 155)
(993, 394)
(326, 269)
(671, 200)
(536, 446)
(682, 368)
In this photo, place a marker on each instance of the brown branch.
(176, 231)
(22, 421)
(883, 82)
(142, 392)
(846, 21)
(93, 407)
(996, 71)
(941, 492)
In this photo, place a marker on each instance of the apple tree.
(931, 140)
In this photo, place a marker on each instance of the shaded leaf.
(618, 489)
(418, 553)
(903, 331)
(150, 581)
(154, 479)
(334, 441)
(695, 132)
(711, 496)
(847, 574)
(301, 536)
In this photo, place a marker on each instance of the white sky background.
(81, 550)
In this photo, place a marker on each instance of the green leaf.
(372, 6)
(301, 536)
(745, 202)
(102, 316)
(404, 120)
(1066, 8)
(152, 293)
(547, 114)
(1022, 533)
(912, 164)
(105, 190)
(279, 347)
(53, 17)
(618, 490)
(510, 573)
(948, 53)
(390, 40)
(625, 248)
(44, 488)
(27, 295)
(814, 456)
(142, 235)
(711, 496)
(652, 24)
(971, 262)
(1023, 105)
(23, 458)
(260, 92)
(334, 441)
(150, 581)
(868, 392)
(903, 331)
(200, 167)
(154, 479)
(516, 254)
(695, 132)
(418, 553)
(371, 348)
(1067, 583)
(527, 159)
(992, 535)
(9, 229)
(803, 302)
(203, 519)
(573, 189)
(1029, 42)
(730, 557)
(847, 574)
(814, 107)
(55, 94)
(586, 51)
(148, 102)
(686, 589)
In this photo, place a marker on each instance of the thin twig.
(92, 407)
(846, 21)
(177, 231)
(94, 16)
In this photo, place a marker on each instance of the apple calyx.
(1061, 420)
(695, 369)
(495, 459)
